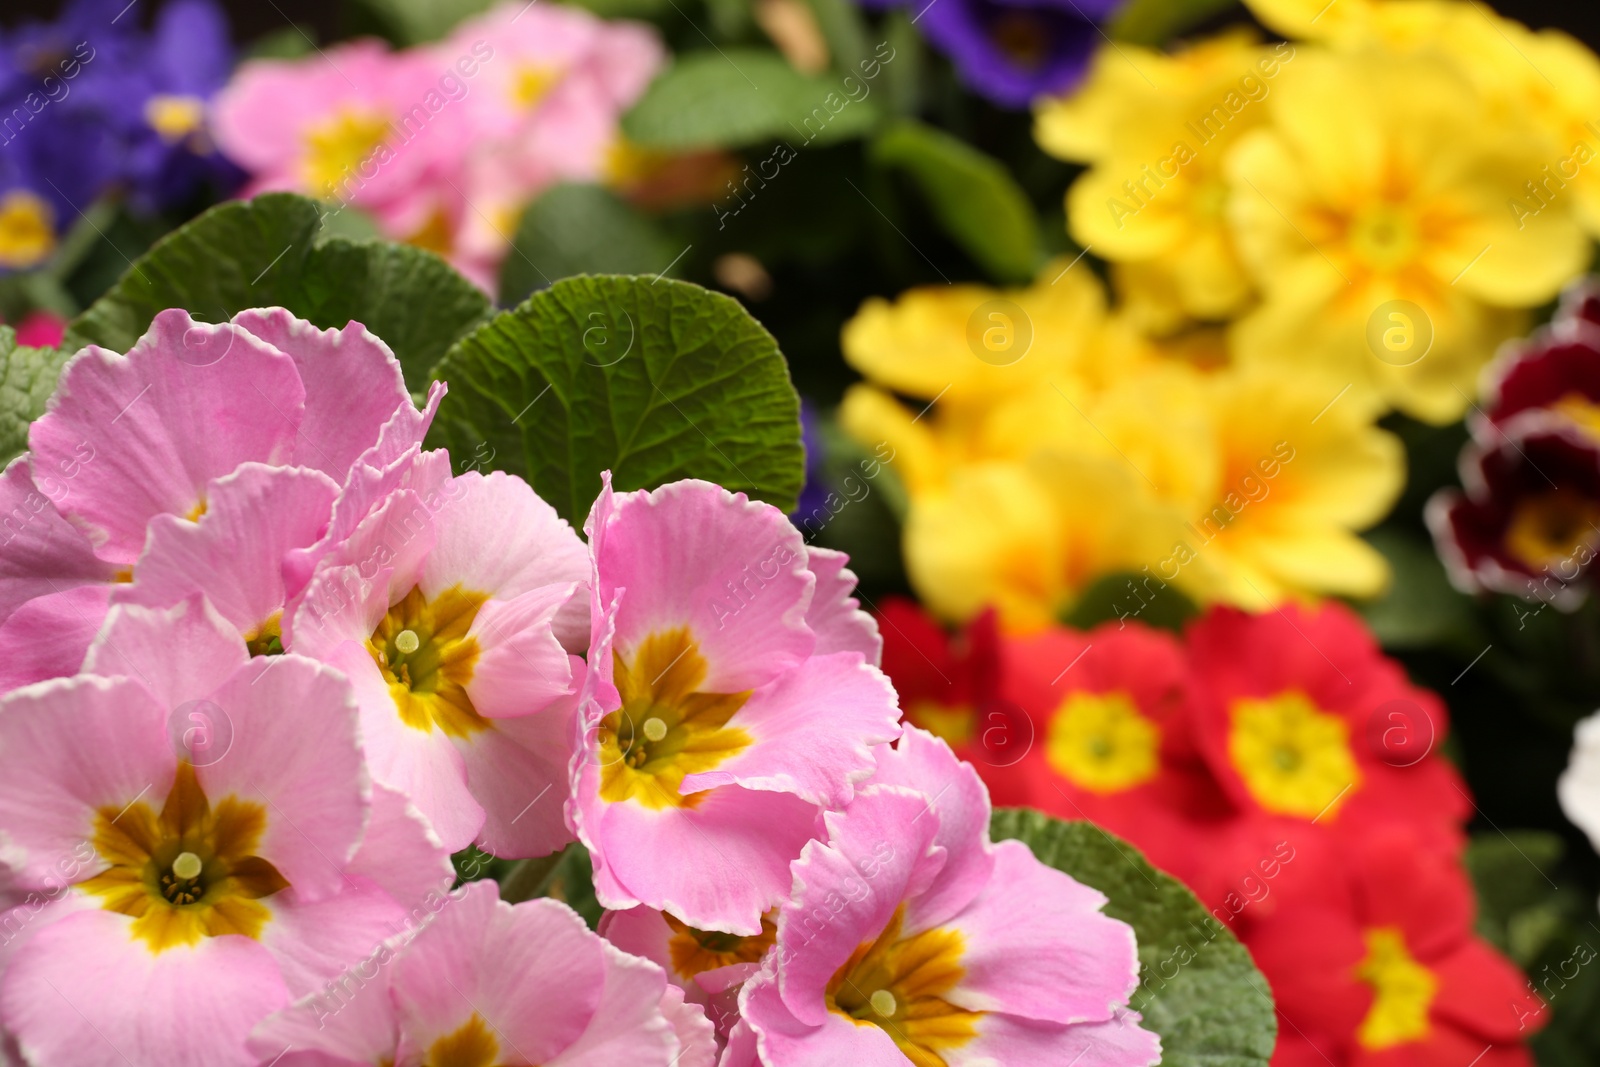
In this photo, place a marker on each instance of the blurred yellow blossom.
(1112, 454)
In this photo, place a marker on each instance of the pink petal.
(352, 1025)
(522, 667)
(400, 853)
(353, 386)
(1119, 1042)
(322, 941)
(188, 403)
(49, 636)
(835, 615)
(40, 551)
(68, 748)
(697, 1038)
(179, 654)
(86, 993)
(879, 854)
(833, 1041)
(730, 569)
(254, 518)
(630, 1028)
(535, 973)
(960, 803)
(496, 536)
(295, 750)
(1037, 946)
(814, 730)
(518, 772)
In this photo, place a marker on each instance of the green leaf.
(270, 252)
(845, 31)
(1215, 1010)
(421, 21)
(743, 96)
(1131, 597)
(973, 196)
(581, 229)
(1155, 22)
(650, 378)
(27, 378)
(1520, 908)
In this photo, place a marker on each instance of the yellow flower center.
(627, 163)
(1295, 758)
(27, 230)
(187, 873)
(472, 1045)
(1583, 412)
(1101, 742)
(337, 146)
(898, 985)
(666, 728)
(531, 83)
(175, 117)
(1402, 991)
(694, 951)
(1550, 528)
(1384, 238)
(955, 725)
(266, 639)
(427, 655)
(435, 235)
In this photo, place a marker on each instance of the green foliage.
(735, 97)
(1215, 1008)
(27, 378)
(420, 21)
(580, 229)
(1420, 607)
(650, 378)
(973, 196)
(1157, 22)
(271, 252)
(1131, 597)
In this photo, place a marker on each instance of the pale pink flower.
(138, 450)
(178, 889)
(455, 607)
(487, 983)
(732, 696)
(910, 937)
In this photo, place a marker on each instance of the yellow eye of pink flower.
(532, 83)
(1402, 988)
(427, 655)
(336, 147)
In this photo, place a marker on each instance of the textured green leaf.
(653, 379)
(581, 229)
(1200, 991)
(421, 21)
(744, 96)
(27, 378)
(271, 252)
(973, 196)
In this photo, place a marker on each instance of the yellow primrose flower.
(1313, 19)
(1155, 130)
(1373, 213)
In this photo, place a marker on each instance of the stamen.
(187, 865)
(884, 1004)
(655, 729)
(407, 642)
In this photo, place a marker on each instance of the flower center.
(427, 654)
(1552, 527)
(336, 146)
(666, 728)
(532, 83)
(955, 725)
(187, 873)
(1583, 411)
(175, 117)
(1402, 992)
(1384, 238)
(1024, 38)
(899, 984)
(1294, 758)
(266, 639)
(470, 1045)
(1101, 742)
(27, 230)
(694, 951)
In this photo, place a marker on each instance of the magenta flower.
(487, 983)
(175, 894)
(139, 450)
(909, 937)
(454, 607)
(732, 696)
